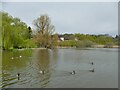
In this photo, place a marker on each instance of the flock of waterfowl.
(43, 72)
(74, 72)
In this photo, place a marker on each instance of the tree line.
(16, 34)
(87, 40)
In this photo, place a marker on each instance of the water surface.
(57, 65)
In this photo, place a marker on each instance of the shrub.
(29, 44)
(68, 43)
(84, 43)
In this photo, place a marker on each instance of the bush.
(84, 43)
(29, 44)
(78, 44)
(68, 43)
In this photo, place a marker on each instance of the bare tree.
(44, 32)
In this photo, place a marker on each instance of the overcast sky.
(70, 17)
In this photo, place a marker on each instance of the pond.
(58, 65)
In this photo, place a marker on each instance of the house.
(62, 39)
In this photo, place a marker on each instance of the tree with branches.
(45, 36)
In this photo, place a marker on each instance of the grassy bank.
(84, 43)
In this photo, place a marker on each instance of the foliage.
(101, 39)
(14, 32)
(84, 43)
(68, 43)
(78, 44)
(29, 43)
(86, 40)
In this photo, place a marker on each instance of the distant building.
(76, 39)
(62, 39)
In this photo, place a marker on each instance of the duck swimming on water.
(12, 58)
(42, 72)
(92, 63)
(73, 72)
(92, 70)
(20, 56)
(18, 75)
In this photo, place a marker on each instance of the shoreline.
(95, 46)
(104, 46)
(64, 47)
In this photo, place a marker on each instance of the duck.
(73, 72)
(12, 58)
(20, 56)
(92, 70)
(18, 76)
(92, 63)
(42, 72)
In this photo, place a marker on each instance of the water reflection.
(43, 60)
(17, 62)
(42, 63)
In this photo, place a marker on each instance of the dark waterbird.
(92, 70)
(92, 63)
(18, 76)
